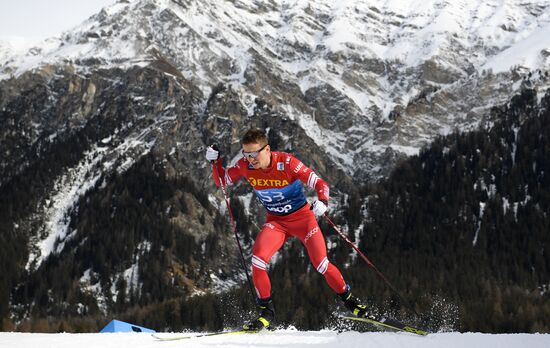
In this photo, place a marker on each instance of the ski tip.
(388, 324)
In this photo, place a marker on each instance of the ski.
(388, 324)
(218, 333)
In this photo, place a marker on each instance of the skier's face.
(258, 155)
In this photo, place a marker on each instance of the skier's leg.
(270, 239)
(315, 243)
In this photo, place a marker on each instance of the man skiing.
(277, 178)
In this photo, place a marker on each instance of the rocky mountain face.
(141, 88)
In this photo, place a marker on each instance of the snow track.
(280, 339)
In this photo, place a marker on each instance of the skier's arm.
(310, 178)
(221, 175)
(225, 176)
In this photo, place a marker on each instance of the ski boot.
(352, 303)
(265, 320)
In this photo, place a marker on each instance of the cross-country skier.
(277, 179)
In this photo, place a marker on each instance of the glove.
(212, 153)
(319, 207)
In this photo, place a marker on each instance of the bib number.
(269, 197)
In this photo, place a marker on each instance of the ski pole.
(243, 261)
(369, 262)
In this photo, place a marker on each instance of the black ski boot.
(353, 304)
(265, 320)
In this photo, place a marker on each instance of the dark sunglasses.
(253, 154)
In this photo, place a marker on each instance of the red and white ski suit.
(279, 189)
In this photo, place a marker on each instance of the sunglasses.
(253, 154)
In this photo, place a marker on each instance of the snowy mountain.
(103, 128)
(364, 79)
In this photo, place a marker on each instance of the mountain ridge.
(366, 55)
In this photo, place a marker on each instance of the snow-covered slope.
(303, 32)
(281, 339)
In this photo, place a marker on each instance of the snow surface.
(280, 339)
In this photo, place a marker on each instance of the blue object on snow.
(120, 326)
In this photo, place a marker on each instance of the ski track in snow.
(280, 339)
